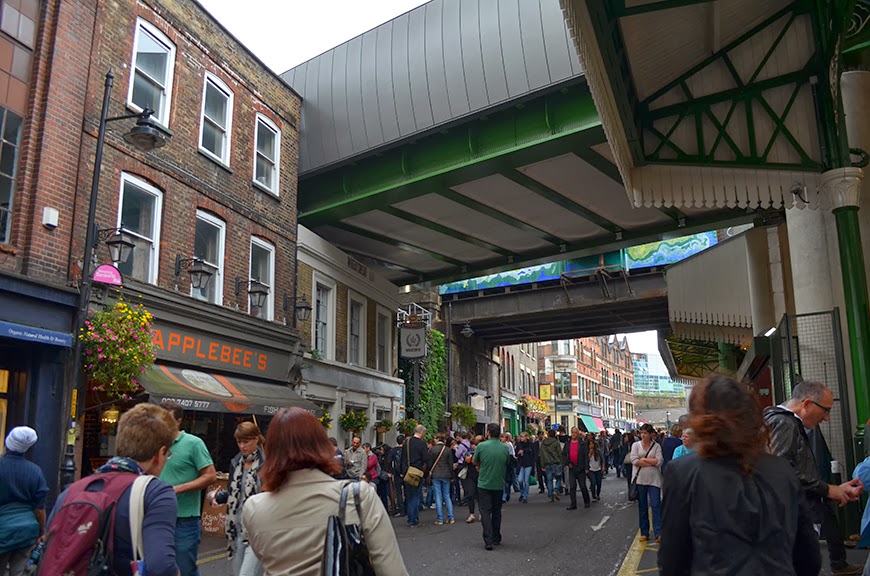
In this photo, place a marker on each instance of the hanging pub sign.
(412, 342)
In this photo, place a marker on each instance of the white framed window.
(139, 213)
(216, 122)
(323, 318)
(356, 329)
(267, 155)
(208, 245)
(151, 72)
(263, 271)
(384, 332)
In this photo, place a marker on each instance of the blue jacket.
(862, 471)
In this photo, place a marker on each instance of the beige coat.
(287, 529)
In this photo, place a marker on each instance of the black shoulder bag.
(632, 489)
(345, 552)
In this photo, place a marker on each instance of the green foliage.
(429, 408)
(315, 354)
(354, 420)
(463, 415)
(406, 426)
(385, 423)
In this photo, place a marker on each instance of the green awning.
(214, 392)
(589, 423)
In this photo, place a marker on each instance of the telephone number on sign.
(191, 404)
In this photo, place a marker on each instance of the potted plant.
(463, 415)
(117, 347)
(383, 425)
(326, 419)
(406, 426)
(353, 421)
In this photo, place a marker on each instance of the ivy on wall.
(429, 410)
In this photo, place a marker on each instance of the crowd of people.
(731, 490)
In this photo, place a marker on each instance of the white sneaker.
(470, 519)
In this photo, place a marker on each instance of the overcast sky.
(643, 342)
(284, 34)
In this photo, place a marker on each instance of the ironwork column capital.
(843, 186)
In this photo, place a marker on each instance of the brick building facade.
(223, 189)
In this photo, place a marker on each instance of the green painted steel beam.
(440, 228)
(397, 243)
(486, 210)
(623, 10)
(544, 127)
(564, 202)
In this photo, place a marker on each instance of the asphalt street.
(538, 538)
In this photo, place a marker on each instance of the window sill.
(262, 188)
(214, 159)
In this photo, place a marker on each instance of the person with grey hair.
(22, 501)
(810, 405)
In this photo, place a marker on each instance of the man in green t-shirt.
(491, 458)
(189, 470)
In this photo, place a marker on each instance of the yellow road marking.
(212, 558)
(632, 558)
(645, 570)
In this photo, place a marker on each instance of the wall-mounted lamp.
(200, 272)
(111, 416)
(303, 306)
(257, 292)
(120, 243)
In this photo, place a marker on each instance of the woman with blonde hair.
(286, 523)
(244, 482)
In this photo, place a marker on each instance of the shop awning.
(591, 425)
(214, 392)
(598, 423)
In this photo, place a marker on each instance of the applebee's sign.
(412, 342)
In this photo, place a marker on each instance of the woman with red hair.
(732, 508)
(286, 523)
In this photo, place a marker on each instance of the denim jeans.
(441, 487)
(523, 478)
(649, 496)
(412, 502)
(595, 483)
(430, 495)
(188, 532)
(245, 562)
(554, 479)
(16, 560)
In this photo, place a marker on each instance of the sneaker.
(438, 523)
(552, 498)
(451, 521)
(470, 519)
(571, 508)
(848, 569)
(488, 546)
(557, 496)
(644, 538)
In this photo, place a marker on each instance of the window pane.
(216, 105)
(382, 342)
(7, 160)
(212, 139)
(138, 265)
(152, 57)
(206, 246)
(265, 171)
(321, 319)
(265, 141)
(355, 323)
(146, 94)
(12, 129)
(137, 213)
(261, 264)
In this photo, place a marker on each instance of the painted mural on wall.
(646, 255)
(668, 251)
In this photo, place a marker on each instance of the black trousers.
(398, 494)
(470, 487)
(831, 533)
(577, 476)
(490, 515)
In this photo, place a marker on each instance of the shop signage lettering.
(564, 406)
(412, 342)
(179, 345)
(108, 274)
(22, 332)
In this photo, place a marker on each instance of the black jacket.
(528, 457)
(788, 438)
(582, 459)
(717, 521)
(418, 452)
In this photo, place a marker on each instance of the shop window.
(267, 155)
(217, 119)
(139, 215)
(263, 271)
(385, 344)
(11, 133)
(356, 331)
(208, 245)
(152, 70)
(323, 317)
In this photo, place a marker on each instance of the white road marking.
(600, 524)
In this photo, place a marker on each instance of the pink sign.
(108, 274)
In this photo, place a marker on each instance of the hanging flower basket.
(535, 407)
(383, 425)
(117, 347)
(406, 426)
(326, 419)
(354, 421)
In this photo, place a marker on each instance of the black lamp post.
(144, 136)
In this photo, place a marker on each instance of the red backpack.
(79, 539)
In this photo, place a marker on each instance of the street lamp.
(300, 304)
(257, 292)
(145, 136)
(200, 272)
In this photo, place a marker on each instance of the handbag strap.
(137, 514)
(437, 459)
(636, 472)
(342, 501)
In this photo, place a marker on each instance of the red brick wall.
(78, 44)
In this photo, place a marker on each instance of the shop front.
(35, 341)
(510, 418)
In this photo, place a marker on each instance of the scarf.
(121, 464)
(236, 489)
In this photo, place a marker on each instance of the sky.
(643, 342)
(285, 34)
